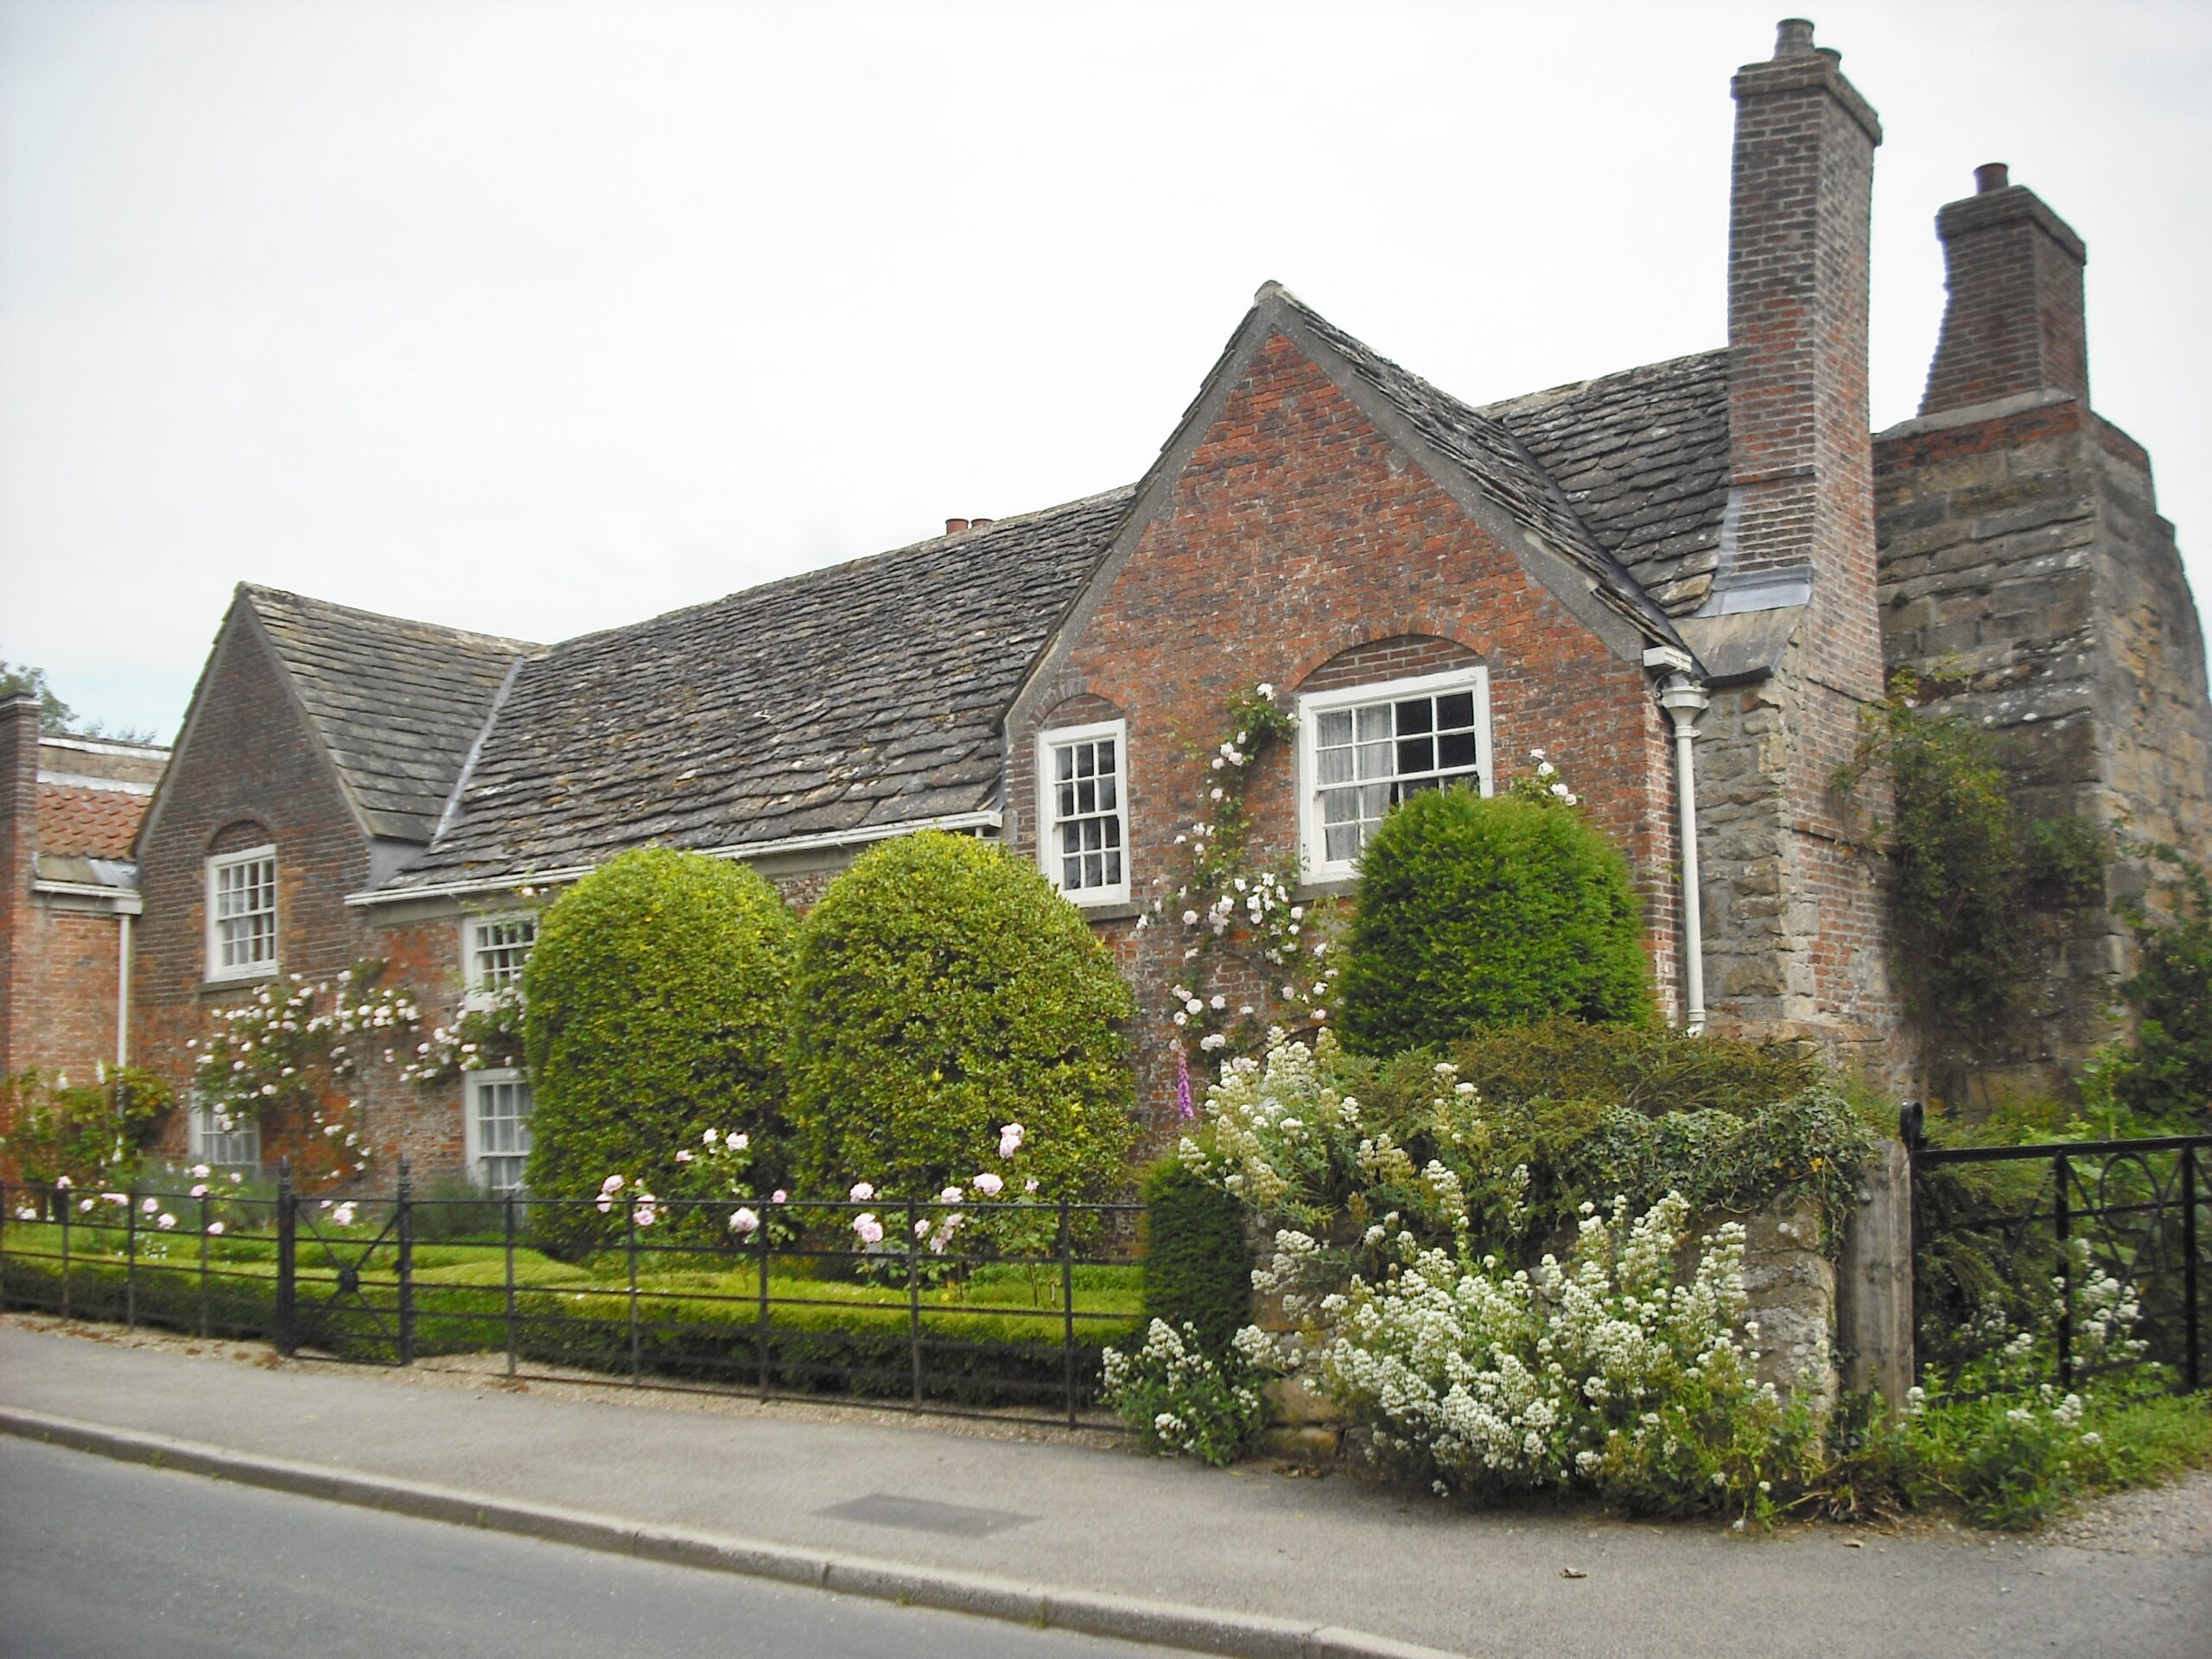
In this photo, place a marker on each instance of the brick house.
(1671, 578)
(69, 807)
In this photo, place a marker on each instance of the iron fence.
(2013, 1239)
(996, 1308)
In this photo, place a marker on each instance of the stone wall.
(2027, 579)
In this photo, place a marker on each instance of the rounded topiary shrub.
(1475, 912)
(943, 989)
(655, 1003)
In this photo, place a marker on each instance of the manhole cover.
(924, 1514)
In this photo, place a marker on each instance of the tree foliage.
(942, 989)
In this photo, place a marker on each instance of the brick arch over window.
(1401, 656)
(1081, 709)
(239, 834)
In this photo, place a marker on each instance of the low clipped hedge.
(1476, 912)
(697, 1328)
(1197, 1261)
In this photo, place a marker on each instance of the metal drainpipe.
(122, 991)
(1684, 700)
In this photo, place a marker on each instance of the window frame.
(476, 993)
(472, 1151)
(216, 863)
(1048, 819)
(201, 1130)
(1313, 840)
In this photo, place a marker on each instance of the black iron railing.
(2011, 1239)
(997, 1308)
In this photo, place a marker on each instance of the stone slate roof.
(75, 821)
(862, 696)
(1498, 459)
(397, 703)
(1642, 457)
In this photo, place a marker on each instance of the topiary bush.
(1198, 1263)
(655, 1000)
(1475, 912)
(942, 989)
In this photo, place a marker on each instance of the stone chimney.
(1802, 511)
(2014, 320)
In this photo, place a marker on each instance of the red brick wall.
(2014, 319)
(247, 769)
(1299, 547)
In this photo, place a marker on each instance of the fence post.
(130, 1257)
(3, 1245)
(2191, 1280)
(914, 1297)
(760, 1324)
(1873, 1278)
(203, 1266)
(287, 1261)
(2064, 1169)
(510, 1282)
(1067, 1310)
(63, 1206)
(630, 1240)
(406, 1264)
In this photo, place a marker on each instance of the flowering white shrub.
(1184, 1401)
(1600, 1373)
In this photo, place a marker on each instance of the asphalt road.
(106, 1560)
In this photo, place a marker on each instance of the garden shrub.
(1475, 912)
(2165, 1073)
(1602, 1374)
(1185, 1398)
(1648, 1068)
(655, 997)
(1326, 1142)
(93, 1133)
(942, 989)
(1198, 1263)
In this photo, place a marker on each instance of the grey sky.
(539, 317)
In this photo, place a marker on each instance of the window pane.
(1456, 751)
(1455, 711)
(1333, 728)
(1374, 721)
(1416, 715)
(1416, 755)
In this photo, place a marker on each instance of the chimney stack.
(2014, 320)
(1799, 236)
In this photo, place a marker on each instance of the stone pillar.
(1874, 1280)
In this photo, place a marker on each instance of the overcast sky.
(534, 318)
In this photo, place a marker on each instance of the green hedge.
(942, 989)
(1476, 912)
(1198, 1263)
(655, 1000)
(865, 1350)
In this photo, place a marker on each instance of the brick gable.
(1293, 542)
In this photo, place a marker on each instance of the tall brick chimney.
(19, 728)
(1802, 506)
(2014, 321)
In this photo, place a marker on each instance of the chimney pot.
(980, 524)
(1991, 175)
(1793, 37)
(954, 526)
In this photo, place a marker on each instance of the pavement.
(1091, 1536)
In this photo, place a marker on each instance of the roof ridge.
(257, 591)
(798, 578)
(1591, 380)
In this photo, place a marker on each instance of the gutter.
(986, 820)
(122, 900)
